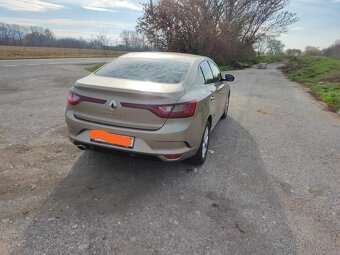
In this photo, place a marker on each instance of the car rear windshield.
(153, 70)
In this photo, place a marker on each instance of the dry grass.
(20, 52)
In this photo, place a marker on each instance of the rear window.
(153, 70)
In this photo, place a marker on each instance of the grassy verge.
(321, 75)
(95, 67)
(21, 52)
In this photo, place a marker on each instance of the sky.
(318, 25)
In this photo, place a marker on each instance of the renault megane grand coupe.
(160, 104)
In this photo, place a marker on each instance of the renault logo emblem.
(113, 105)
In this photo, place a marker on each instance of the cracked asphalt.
(271, 183)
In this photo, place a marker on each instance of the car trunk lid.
(116, 91)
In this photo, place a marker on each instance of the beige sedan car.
(160, 104)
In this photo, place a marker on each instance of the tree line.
(332, 51)
(273, 46)
(19, 35)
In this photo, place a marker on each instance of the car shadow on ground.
(111, 204)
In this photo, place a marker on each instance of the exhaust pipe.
(81, 147)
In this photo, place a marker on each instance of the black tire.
(225, 114)
(201, 155)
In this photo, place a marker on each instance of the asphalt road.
(271, 183)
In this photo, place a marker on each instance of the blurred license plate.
(101, 136)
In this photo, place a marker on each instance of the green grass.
(321, 75)
(95, 67)
(225, 67)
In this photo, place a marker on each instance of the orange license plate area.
(102, 136)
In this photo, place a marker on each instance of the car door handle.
(212, 98)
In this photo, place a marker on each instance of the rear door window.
(216, 72)
(208, 75)
(201, 76)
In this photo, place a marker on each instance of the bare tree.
(133, 40)
(103, 41)
(261, 45)
(5, 34)
(20, 33)
(125, 36)
(223, 29)
(275, 47)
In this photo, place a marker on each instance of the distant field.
(19, 52)
(321, 75)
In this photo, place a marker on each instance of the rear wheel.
(225, 113)
(201, 154)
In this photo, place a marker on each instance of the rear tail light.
(180, 110)
(74, 99)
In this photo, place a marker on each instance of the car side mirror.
(229, 77)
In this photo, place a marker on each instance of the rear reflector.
(74, 99)
(172, 157)
(180, 110)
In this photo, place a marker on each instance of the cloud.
(88, 24)
(109, 5)
(97, 9)
(74, 27)
(29, 5)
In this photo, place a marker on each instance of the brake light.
(180, 110)
(74, 99)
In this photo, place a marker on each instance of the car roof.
(182, 57)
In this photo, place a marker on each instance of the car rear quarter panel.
(201, 94)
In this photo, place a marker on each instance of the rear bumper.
(175, 137)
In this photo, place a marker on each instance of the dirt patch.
(30, 164)
(28, 173)
(264, 112)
